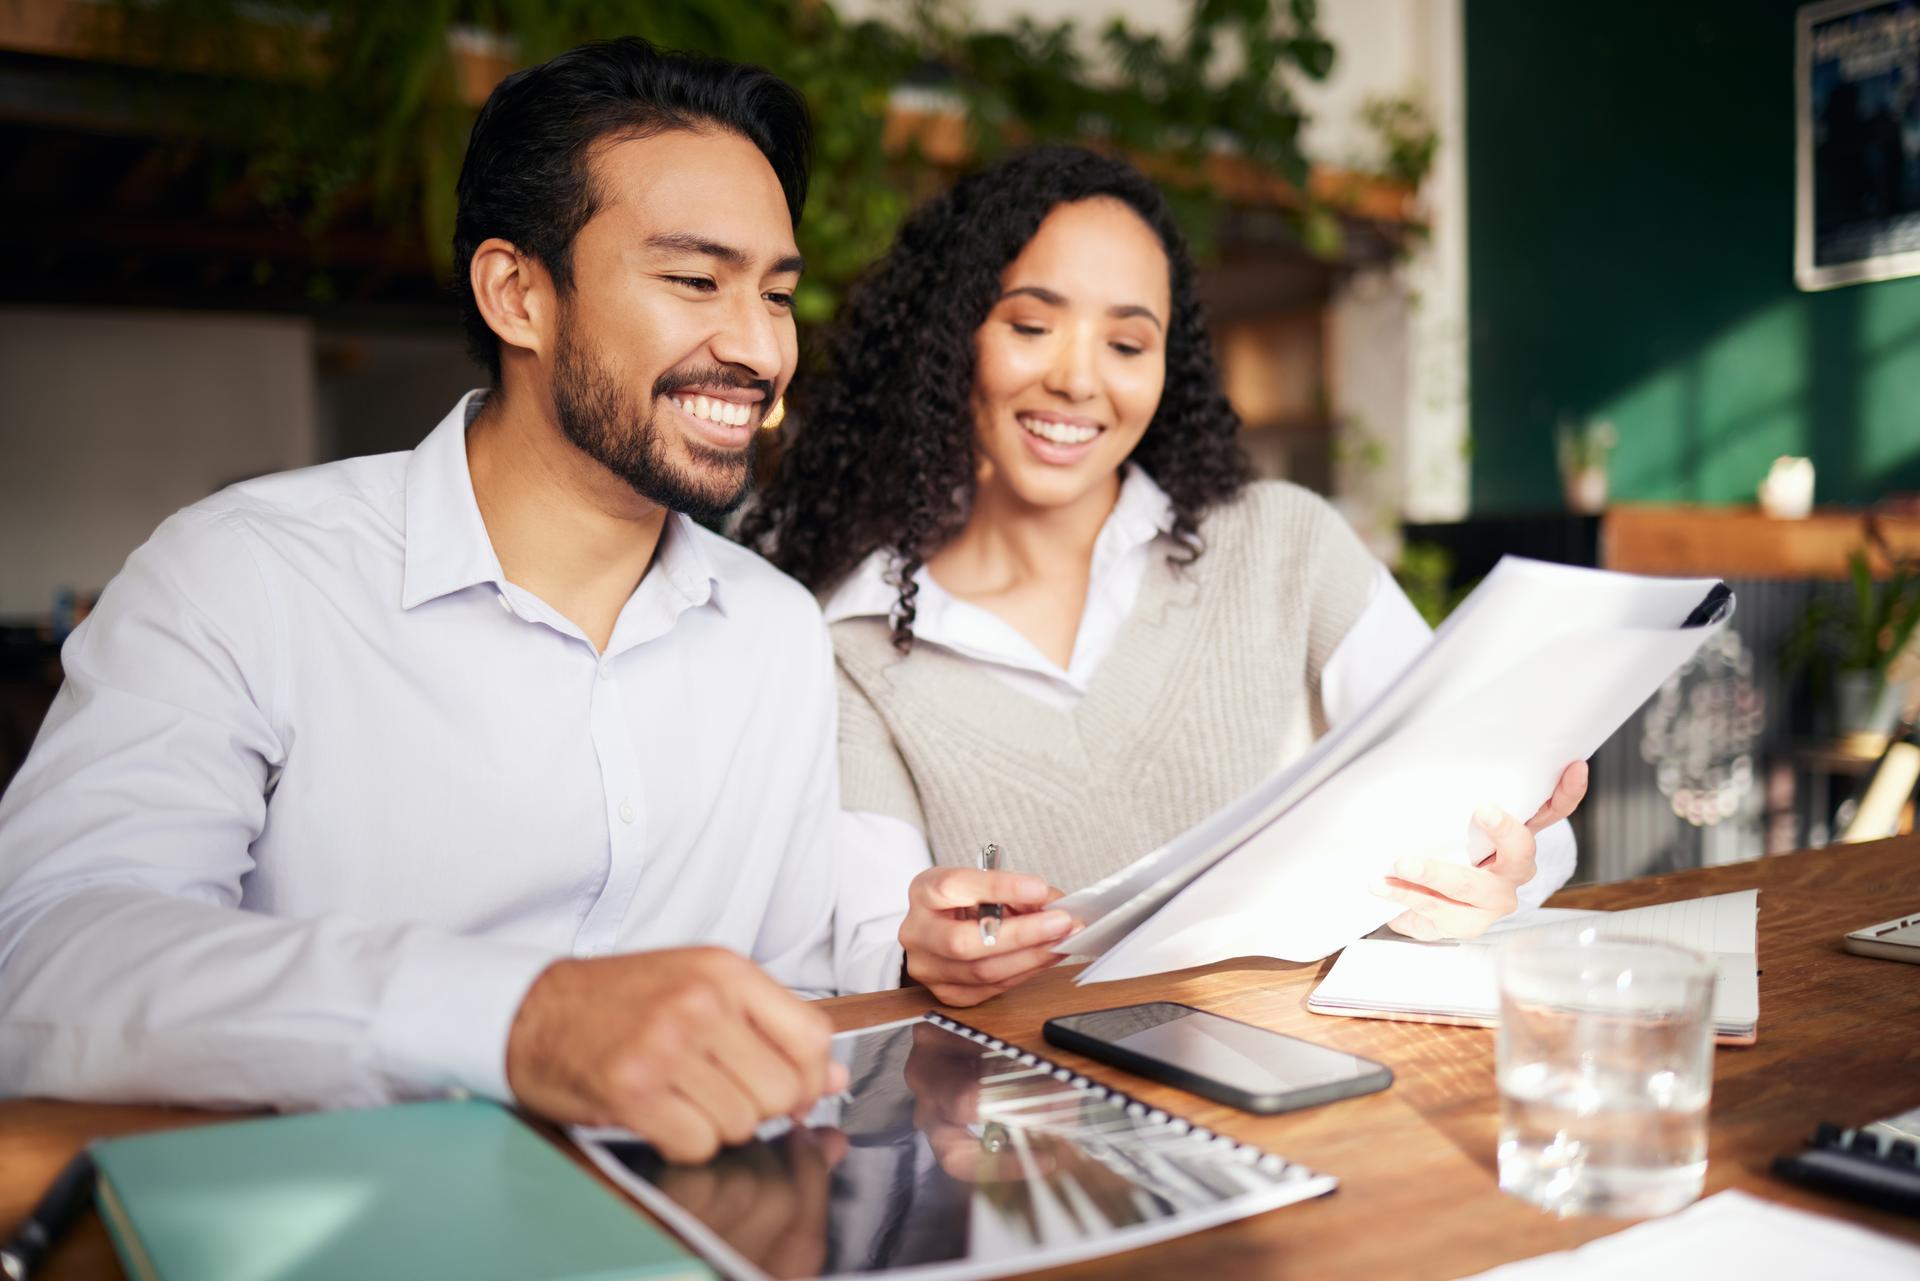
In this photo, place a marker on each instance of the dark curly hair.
(886, 453)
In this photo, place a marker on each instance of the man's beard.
(598, 416)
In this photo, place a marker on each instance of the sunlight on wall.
(1752, 384)
(1889, 411)
(1707, 425)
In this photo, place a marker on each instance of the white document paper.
(1730, 1234)
(1455, 981)
(1535, 670)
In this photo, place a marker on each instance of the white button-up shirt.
(1386, 637)
(324, 792)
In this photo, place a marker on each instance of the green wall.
(1630, 178)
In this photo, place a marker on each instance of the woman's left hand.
(1448, 900)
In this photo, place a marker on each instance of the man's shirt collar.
(448, 550)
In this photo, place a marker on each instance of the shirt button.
(604, 673)
(626, 811)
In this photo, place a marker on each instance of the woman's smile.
(1058, 439)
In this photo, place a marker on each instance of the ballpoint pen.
(990, 913)
(65, 1201)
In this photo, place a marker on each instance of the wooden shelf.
(1743, 542)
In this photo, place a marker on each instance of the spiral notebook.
(952, 1155)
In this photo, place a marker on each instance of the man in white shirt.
(482, 767)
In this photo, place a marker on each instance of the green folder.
(455, 1189)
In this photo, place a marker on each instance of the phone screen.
(1236, 1054)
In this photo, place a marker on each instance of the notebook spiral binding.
(1266, 1162)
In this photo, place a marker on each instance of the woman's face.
(1072, 358)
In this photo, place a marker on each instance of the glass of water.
(1605, 1066)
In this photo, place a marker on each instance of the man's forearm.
(116, 993)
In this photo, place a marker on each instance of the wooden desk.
(1839, 1041)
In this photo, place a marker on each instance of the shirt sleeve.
(128, 968)
(882, 855)
(1388, 635)
(796, 942)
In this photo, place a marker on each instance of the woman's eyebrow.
(1119, 312)
(1135, 309)
(1044, 294)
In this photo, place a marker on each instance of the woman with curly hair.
(1066, 618)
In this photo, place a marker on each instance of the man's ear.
(514, 294)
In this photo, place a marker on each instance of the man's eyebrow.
(687, 242)
(1053, 299)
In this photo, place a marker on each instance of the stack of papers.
(1727, 1235)
(1535, 670)
(1453, 981)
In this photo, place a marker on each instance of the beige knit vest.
(1212, 684)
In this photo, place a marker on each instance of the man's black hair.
(527, 177)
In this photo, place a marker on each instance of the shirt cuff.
(1554, 853)
(444, 1020)
(872, 966)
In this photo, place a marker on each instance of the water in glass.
(1605, 1069)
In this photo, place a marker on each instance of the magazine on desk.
(950, 1156)
(1536, 669)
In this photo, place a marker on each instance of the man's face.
(677, 334)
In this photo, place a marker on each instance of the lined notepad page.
(1455, 982)
(1718, 923)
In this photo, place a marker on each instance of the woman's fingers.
(953, 940)
(1514, 849)
(950, 889)
(1455, 900)
(1003, 969)
(1448, 917)
(1479, 887)
(1415, 926)
(946, 949)
(1566, 798)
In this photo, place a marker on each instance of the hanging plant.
(339, 100)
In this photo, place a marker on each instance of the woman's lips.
(1058, 441)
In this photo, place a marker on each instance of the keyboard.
(1877, 1164)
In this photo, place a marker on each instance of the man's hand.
(1447, 900)
(941, 934)
(692, 1048)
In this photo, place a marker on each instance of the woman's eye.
(1028, 331)
(781, 300)
(700, 283)
(1127, 349)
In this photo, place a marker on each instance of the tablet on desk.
(952, 1156)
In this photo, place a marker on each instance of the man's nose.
(750, 337)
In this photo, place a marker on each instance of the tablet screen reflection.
(944, 1150)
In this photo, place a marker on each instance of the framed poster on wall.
(1858, 73)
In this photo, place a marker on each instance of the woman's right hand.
(941, 934)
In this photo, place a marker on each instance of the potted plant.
(1845, 645)
(1583, 449)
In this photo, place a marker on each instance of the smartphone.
(1223, 1059)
